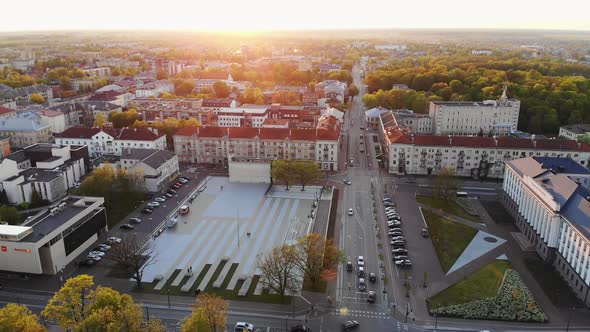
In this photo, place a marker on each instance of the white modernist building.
(157, 168)
(54, 237)
(154, 89)
(553, 212)
(574, 131)
(499, 117)
(112, 141)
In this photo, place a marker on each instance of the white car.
(360, 261)
(94, 257)
(96, 253)
(153, 204)
(243, 326)
(160, 199)
(350, 213)
(114, 239)
(347, 182)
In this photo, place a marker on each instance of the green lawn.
(449, 206)
(482, 284)
(449, 238)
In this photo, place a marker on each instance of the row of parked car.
(97, 254)
(167, 195)
(398, 242)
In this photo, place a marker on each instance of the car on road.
(347, 182)
(300, 328)
(126, 226)
(411, 180)
(350, 324)
(243, 326)
(362, 285)
(349, 266)
(399, 251)
(350, 213)
(360, 261)
(424, 233)
(87, 262)
(403, 263)
(135, 220)
(361, 271)
(147, 211)
(371, 296)
(351, 161)
(372, 277)
(114, 240)
(159, 199)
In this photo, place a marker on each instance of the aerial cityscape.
(237, 167)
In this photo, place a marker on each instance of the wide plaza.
(229, 224)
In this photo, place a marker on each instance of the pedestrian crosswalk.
(359, 313)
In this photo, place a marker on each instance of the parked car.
(350, 324)
(395, 234)
(135, 220)
(386, 199)
(399, 251)
(97, 253)
(169, 195)
(300, 328)
(393, 223)
(126, 226)
(87, 262)
(360, 261)
(398, 243)
(347, 182)
(147, 211)
(398, 238)
(159, 199)
(175, 186)
(153, 204)
(350, 213)
(99, 248)
(185, 178)
(114, 239)
(105, 246)
(424, 232)
(171, 191)
(395, 229)
(94, 257)
(403, 263)
(400, 257)
(243, 326)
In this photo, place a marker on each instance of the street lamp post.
(168, 293)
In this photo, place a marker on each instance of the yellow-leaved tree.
(16, 317)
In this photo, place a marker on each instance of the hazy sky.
(295, 14)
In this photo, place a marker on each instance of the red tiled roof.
(50, 113)
(263, 133)
(132, 134)
(105, 96)
(399, 137)
(4, 110)
(275, 121)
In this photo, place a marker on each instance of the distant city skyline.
(255, 15)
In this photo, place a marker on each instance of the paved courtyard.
(231, 222)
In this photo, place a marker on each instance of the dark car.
(126, 226)
(171, 191)
(350, 324)
(424, 232)
(372, 277)
(371, 297)
(300, 328)
(147, 211)
(169, 195)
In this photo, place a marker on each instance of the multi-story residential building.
(473, 156)
(25, 129)
(56, 119)
(48, 169)
(332, 90)
(53, 238)
(215, 144)
(170, 67)
(207, 80)
(98, 72)
(553, 213)
(157, 168)
(241, 117)
(574, 131)
(414, 122)
(112, 141)
(373, 115)
(114, 97)
(154, 89)
(158, 108)
(24, 93)
(215, 104)
(498, 117)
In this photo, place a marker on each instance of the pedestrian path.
(359, 313)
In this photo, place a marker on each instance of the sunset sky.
(248, 15)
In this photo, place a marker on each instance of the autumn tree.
(184, 87)
(282, 170)
(214, 310)
(305, 171)
(252, 96)
(37, 98)
(132, 257)
(314, 256)
(353, 91)
(16, 317)
(124, 119)
(196, 321)
(221, 89)
(278, 270)
(99, 120)
(445, 183)
(67, 306)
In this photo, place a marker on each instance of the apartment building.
(215, 144)
(112, 141)
(154, 89)
(574, 131)
(553, 211)
(25, 130)
(498, 117)
(157, 168)
(473, 156)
